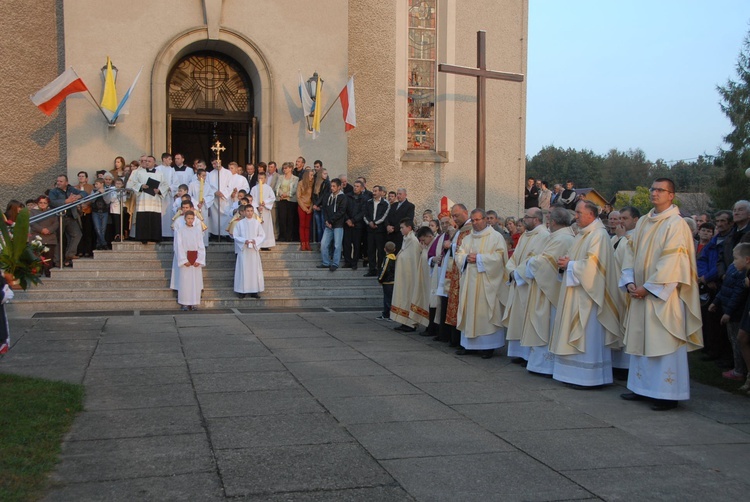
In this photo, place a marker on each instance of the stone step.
(76, 274)
(218, 263)
(212, 246)
(225, 253)
(25, 308)
(212, 280)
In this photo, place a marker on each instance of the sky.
(629, 74)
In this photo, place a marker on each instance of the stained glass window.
(421, 67)
(205, 81)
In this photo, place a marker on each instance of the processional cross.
(217, 148)
(482, 74)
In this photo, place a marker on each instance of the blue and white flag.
(308, 105)
(121, 109)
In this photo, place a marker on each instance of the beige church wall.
(378, 32)
(156, 34)
(31, 56)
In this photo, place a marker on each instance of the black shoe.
(68, 264)
(321, 266)
(518, 360)
(584, 387)
(487, 354)
(241, 296)
(255, 295)
(405, 329)
(370, 274)
(453, 345)
(620, 374)
(465, 352)
(632, 396)
(332, 268)
(709, 357)
(663, 405)
(265, 249)
(425, 333)
(346, 265)
(144, 242)
(354, 267)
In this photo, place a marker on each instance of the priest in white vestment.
(191, 260)
(165, 168)
(483, 291)
(543, 277)
(220, 180)
(663, 321)
(203, 198)
(248, 272)
(148, 214)
(530, 244)
(623, 246)
(420, 304)
(405, 278)
(587, 324)
(263, 201)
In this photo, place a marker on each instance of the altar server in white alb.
(191, 260)
(165, 169)
(263, 201)
(200, 192)
(663, 320)
(248, 272)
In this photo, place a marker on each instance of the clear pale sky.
(628, 74)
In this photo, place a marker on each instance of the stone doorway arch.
(232, 44)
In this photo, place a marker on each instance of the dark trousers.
(432, 328)
(86, 244)
(72, 235)
(387, 297)
(285, 211)
(444, 330)
(397, 239)
(352, 238)
(715, 340)
(375, 250)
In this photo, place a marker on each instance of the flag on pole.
(316, 116)
(109, 98)
(307, 102)
(347, 105)
(51, 95)
(121, 108)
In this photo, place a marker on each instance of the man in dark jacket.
(400, 209)
(59, 196)
(354, 225)
(335, 217)
(376, 216)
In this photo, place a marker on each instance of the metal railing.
(60, 211)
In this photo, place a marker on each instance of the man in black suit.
(531, 194)
(354, 226)
(400, 209)
(376, 216)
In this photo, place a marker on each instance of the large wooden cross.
(482, 74)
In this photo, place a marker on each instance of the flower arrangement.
(20, 260)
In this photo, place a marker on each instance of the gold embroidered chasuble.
(593, 266)
(662, 255)
(482, 295)
(544, 289)
(530, 244)
(405, 278)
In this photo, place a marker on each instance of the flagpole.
(98, 107)
(334, 101)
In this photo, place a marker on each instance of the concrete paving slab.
(276, 430)
(37, 346)
(449, 371)
(294, 331)
(234, 364)
(121, 397)
(369, 347)
(316, 342)
(352, 386)
(528, 416)
(138, 377)
(332, 369)
(208, 332)
(742, 427)
(244, 381)
(298, 468)
(70, 374)
(595, 448)
(240, 348)
(69, 324)
(160, 347)
(258, 403)
(137, 360)
(112, 459)
(56, 335)
(730, 459)
(506, 476)
(321, 354)
(676, 483)
(378, 409)
(378, 493)
(131, 337)
(202, 320)
(488, 391)
(114, 424)
(430, 438)
(681, 427)
(413, 358)
(723, 407)
(195, 486)
(31, 358)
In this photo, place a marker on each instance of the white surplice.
(266, 215)
(191, 278)
(220, 180)
(248, 272)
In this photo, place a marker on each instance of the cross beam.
(481, 73)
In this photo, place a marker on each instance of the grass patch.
(34, 415)
(706, 372)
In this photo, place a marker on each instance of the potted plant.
(20, 260)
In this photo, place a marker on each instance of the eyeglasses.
(659, 190)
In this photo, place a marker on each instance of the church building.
(229, 70)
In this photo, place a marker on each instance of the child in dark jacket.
(386, 277)
(730, 300)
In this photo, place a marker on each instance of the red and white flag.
(51, 95)
(347, 104)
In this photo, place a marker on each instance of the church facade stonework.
(243, 61)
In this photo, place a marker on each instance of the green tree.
(733, 185)
(640, 200)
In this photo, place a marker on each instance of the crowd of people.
(576, 293)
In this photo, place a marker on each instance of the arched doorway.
(210, 98)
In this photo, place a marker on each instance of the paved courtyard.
(325, 406)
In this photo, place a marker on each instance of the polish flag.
(347, 104)
(51, 95)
